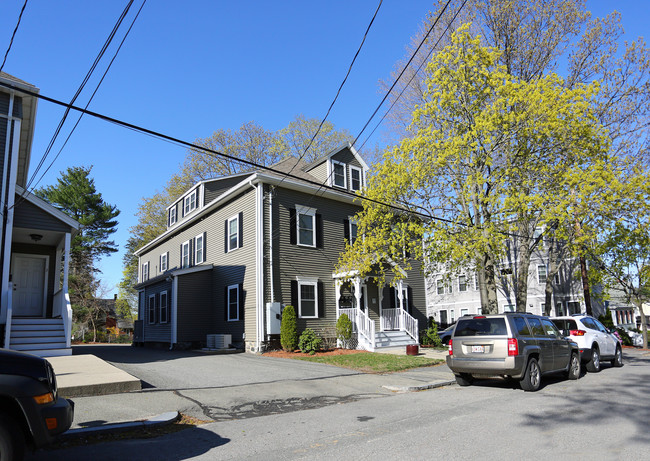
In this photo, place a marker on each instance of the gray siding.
(345, 156)
(235, 267)
(214, 189)
(30, 216)
(195, 307)
(157, 332)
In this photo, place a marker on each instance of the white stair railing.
(409, 325)
(366, 328)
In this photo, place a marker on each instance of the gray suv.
(515, 345)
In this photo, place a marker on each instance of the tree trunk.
(585, 284)
(522, 265)
(644, 324)
(553, 269)
(488, 286)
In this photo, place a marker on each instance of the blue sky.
(189, 68)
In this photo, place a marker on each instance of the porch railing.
(9, 314)
(366, 329)
(390, 319)
(352, 315)
(409, 325)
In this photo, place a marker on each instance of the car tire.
(574, 367)
(593, 365)
(464, 379)
(532, 377)
(617, 361)
(12, 441)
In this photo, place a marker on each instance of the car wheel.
(574, 367)
(617, 361)
(12, 441)
(593, 366)
(464, 379)
(532, 377)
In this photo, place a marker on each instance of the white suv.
(596, 343)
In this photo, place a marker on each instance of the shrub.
(429, 337)
(289, 329)
(624, 337)
(328, 335)
(344, 329)
(309, 341)
(606, 319)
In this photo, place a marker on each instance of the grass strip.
(373, 362)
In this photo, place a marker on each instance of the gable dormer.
(188, 204)
(342, 168)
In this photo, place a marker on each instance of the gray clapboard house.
(237, 249)
(35, 311)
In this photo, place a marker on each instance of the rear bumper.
(510, 366)
(585, 355)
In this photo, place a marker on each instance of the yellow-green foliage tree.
(487, 151)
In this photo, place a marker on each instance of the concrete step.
(60, 352)
(31, 347)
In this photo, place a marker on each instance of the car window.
(600, 326)
(521, 326)
(481, 327)
(550, 329)
(589, 323)
(536, 326)
(565, 324)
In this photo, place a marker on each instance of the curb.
(160, 420)
(421, 387)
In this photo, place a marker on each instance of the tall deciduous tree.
(488, 151)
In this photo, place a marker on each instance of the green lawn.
(374, 362)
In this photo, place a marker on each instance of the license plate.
(478, 349)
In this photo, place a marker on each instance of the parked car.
(31, 412)
(514, 345)
(595, 341)
(445, 334)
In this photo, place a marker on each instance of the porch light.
(35, 237)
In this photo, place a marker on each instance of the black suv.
(516, 345)
(31, 412)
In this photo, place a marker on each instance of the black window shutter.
(393, 301)
(157, 307)
(292, 226)
(225, 237)
(294, 294)
(409, 292)
(241, 301)
(205, 246)
(321, 299)
(225, 303)
(241, 229)
(191, 252)
(319, 230)
(181, 260)
(346, 229)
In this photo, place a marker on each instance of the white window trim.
(165, 257)
(313, 283)
(166, 307)
(545, 274)
(188, 206)
(309, 212)
(145, 273)
(197, 248)
(345, 176)
(352, 222)
(459, 284)
(440, 283)
(185, 245)
(172, 215)
(150, 309)
(235, 287)
(230, 220)
(360, 171)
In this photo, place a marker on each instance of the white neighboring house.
(450, 296)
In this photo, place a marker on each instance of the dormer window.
(189, 203)
(355, 178)
(338, 174)
(172, 215)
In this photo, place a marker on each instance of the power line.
(13, 35)
(340, 87)
(405, 67)
(78, 92)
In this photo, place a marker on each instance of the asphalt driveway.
(178, 370)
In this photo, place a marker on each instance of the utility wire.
(78, 92)
(340, 87)
(405, 67)
(13, 35)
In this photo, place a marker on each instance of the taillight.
(577, 332)
(451, 348)
(513, 347)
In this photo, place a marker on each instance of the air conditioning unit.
(219, 341)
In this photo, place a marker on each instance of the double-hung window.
(152, 309)
(185, 254)
(164, 316)
(233, 303)
(164, 262)
(353, 231)
(145, 271)
(172, 215)
(198, 249)
(233, 233)
(440, 287)
(307, 299)
(462, 283)
(338, 174)
(306, 226)
(355, 178)
(189, 203)
(541, 274)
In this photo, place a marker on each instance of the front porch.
(380, 314)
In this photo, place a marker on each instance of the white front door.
(29, 275)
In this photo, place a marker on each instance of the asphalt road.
(601, 416)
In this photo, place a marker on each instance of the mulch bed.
(291, 355)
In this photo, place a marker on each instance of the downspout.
(271, 245)
(259, 261)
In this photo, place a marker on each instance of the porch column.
(400, 296)
(337, 291)
(357, 292)
(380, 297)
(66, 262)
